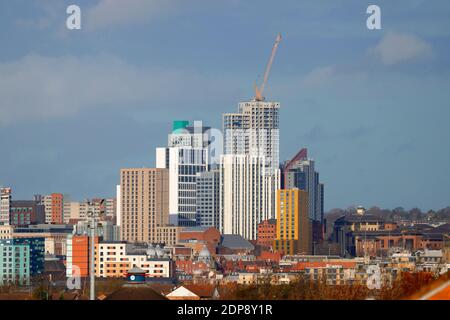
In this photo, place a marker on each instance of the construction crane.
(259, 91)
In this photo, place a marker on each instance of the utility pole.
(92, 256)
(92, 224)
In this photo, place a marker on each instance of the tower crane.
(259, 91)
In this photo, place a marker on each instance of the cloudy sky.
(372, 106)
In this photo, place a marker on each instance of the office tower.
(254, 130)
(186, 155)
(300, 173)
(208, 198)
(288, 165)
(144, 203)
(246, 196)
(25, 212)
(294, 227)
(5, 205)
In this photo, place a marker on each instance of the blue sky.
(372, 106)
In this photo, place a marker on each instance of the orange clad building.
(78, 255)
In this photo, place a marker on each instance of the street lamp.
(92, 226)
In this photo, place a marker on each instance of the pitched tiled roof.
(203, 291)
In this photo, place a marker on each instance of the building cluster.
(361, 234)
(218, 207)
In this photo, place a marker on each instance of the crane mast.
(260, 91)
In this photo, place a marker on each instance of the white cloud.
(319, 76)
(38, 87)
(115, 13)
(396, 48)
(330, 76)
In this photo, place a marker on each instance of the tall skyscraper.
(246, 196)
(186, 155)
(294, 227)
(250, 172)
(144, 194)
(254, 130)
(208, 198)
(5, 205)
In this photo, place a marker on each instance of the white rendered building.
(247, 194)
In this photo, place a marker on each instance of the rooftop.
(194, 229)
(235, 241)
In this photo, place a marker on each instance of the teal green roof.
(179, 124)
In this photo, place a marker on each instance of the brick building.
(208, 236)
(267, 232)
(24, 213)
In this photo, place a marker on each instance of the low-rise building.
(168, 235)
(21, 259)
(209, 236)
(114, 259)
(24, 213)
(267, 232)
(55, 236)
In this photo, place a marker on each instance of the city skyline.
(382, 114)
(224, 152)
